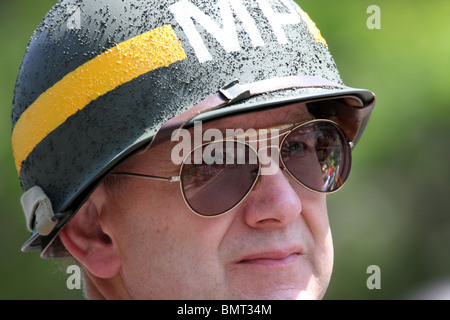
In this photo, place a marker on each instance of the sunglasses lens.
(217, 176)
(317, 155)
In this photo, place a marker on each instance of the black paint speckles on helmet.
(99, 78)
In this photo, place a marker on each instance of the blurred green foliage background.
(394, 210)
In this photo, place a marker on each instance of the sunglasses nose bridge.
(269, 159)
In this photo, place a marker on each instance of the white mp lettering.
(185, 13)
(277, 20)
(74, 20)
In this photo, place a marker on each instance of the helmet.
(100, 78)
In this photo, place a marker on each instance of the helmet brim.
(51, 246)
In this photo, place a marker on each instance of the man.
(184, 149)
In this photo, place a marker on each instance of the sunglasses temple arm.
(168, 179)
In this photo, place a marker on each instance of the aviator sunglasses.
(316, 154)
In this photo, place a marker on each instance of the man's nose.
(273, 202)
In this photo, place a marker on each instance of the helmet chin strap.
(38, 211)
(234, 92)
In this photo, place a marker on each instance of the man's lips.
(272, 258)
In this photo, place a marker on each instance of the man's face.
(275, 245)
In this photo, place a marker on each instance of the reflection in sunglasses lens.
(213, 188)
(317, 156)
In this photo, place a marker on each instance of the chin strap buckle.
(234, 92)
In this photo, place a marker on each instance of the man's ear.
(85, 238)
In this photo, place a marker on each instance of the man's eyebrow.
(299, 115)
(289, 114)
(255, 133)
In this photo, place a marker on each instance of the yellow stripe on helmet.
(126, 61)
(315, 32)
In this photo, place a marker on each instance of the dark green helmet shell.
(179, 52)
